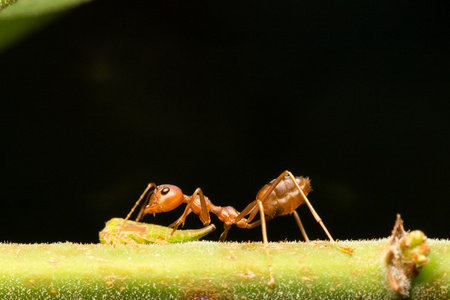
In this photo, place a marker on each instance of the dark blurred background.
(117, 94)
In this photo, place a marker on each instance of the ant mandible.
(280, 197)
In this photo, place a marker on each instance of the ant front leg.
(202, 211)
(149, 186)
(144, 205)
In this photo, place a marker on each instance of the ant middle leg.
(204, 213)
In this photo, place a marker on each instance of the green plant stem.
(218, 270)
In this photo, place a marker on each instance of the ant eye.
(165, 190)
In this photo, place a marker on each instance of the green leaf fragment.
(31, 8)
(21, 18)
(5, 3)
(143, 233)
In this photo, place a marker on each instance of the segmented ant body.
(280, 197)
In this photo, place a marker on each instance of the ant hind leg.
(300, 225)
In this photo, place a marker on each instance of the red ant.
(278, 198)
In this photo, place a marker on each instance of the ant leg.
(300, 225)
(247, 210)
(141, 212)
(180, 220)
(314, 213)
(223, 236)
(258, 222)
(262, 222)
(204, 214)
(266, 243)
(149, 186)
(251, 207)
(297, 219)
(311, 208)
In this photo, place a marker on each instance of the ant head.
(164, 198)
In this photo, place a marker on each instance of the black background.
(225, 97)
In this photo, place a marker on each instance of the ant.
(280, 197)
